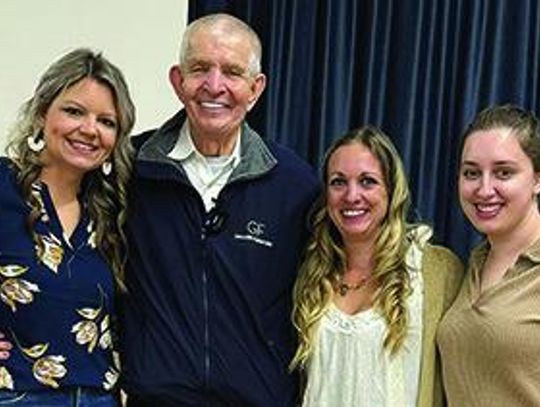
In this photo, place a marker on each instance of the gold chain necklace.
(343, 288)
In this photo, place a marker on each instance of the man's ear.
(177, 79)
(257, 88)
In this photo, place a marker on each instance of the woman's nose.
(352, 193)
(486, 187)
(89, 125)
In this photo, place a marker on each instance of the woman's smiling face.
(497, 182)
(356, 192)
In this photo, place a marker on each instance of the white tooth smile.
(212, 105)
(82, 146)
(354, 212)
(487, 207)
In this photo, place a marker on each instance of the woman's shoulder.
(5, 163)
(441, 260)
(443, 270)
(442, 255)
(7, 170)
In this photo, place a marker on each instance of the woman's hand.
(5, 347)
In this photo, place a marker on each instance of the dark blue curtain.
(419, 69)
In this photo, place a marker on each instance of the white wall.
(140, 37)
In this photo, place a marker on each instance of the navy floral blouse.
(56, 297)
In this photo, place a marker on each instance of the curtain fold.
(419, 69)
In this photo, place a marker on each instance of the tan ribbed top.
(490, 342)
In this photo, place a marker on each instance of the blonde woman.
(371, 289)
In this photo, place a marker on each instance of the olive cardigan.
(442, 274)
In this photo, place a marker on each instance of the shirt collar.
(533, 252)
(185, 148)
(530, 255)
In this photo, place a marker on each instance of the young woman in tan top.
(489, 339)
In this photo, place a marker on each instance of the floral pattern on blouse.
(6, 381)
(91, 235)
(95, 326)
(46, 369)
(36, 193)
(49, 250)
(111, 378)
(15, 290)
(46, 361)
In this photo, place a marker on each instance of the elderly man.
(216, 229)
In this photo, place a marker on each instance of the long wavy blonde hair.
(107, 195)
(325, 259)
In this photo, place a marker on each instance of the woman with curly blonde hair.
(62, 248)
(371, 289)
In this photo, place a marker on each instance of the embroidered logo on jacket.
(255, 233)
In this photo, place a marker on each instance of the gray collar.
(255, 156)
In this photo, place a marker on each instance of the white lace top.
(350, 368)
